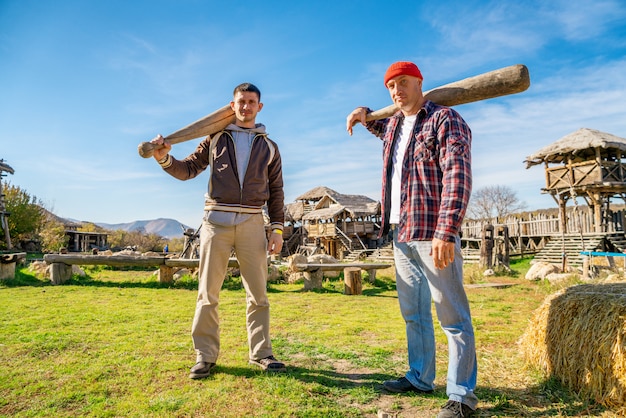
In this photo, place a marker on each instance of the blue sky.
(82, 83)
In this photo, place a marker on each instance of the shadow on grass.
(23, 278)
(548, 398)
(327, 378)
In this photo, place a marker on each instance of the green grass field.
(117, 344)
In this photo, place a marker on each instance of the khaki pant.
(250, 244)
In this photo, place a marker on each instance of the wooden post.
(486, 247)
(597, 211)
(503, 247)
(586, 268)
(313, 279)
(371, 275)
(611, 261)
(352, 281)
(166, 274)
(60, 273)
(7, 270)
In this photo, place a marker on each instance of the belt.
(393, 226)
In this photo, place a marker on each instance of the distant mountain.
(167, 228)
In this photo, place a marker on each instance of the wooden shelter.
(82, 241)
(337, 223)
(586, 163)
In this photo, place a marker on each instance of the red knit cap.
(402, 68)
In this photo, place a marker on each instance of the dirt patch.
(388, 405)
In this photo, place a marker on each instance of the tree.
(90, 227)
(26, 214)
(52, 235)
(137, 238)
(494, 202)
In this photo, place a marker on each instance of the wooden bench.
(61, 264)
(314, 274)
(7, 264)
(588, 260)
(61, 268)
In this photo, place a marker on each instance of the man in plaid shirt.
(427, 182)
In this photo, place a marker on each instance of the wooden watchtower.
(4, 223)
(586, 163)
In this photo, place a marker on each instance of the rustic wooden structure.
(4, 223)
(586, 163)
(80, 241)
(538, 233)
(339, 224)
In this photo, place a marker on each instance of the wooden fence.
(579, 220)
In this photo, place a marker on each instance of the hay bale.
(578, 335)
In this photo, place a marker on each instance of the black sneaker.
(454, 409)
(201, 369)
(402, 385)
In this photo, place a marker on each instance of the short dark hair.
(247, 87)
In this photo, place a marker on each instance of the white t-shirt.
(396, 169)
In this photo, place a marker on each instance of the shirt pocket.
(425, 149)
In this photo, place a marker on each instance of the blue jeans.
(417, 281)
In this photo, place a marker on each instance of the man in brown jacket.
(245, 175)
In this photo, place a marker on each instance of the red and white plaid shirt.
(436, 173)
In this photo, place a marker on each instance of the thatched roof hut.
(586, 163)
(354, 206)
(294, 211)
(317, 193)
(324, 203)
(580, 145)
(335, 222)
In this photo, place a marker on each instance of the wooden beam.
(303, 267)
(126, 260)
(107, 260)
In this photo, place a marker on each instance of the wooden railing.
(584, 174)
(329, 229)
(541, 224)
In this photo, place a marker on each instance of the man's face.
(246, 106)
(406, 92)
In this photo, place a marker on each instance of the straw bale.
(578, 335)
